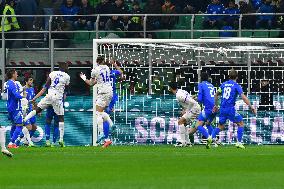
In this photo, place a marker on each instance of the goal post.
(255, 59)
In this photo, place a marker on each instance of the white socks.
(187, 135)
(182, 133)
(2, 138)
(61, 131)
(27, 135)
(30, 115)
(100, 123)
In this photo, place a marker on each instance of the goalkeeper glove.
(83, 77)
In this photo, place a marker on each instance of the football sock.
(27, 134)
(55, 133)
(210, 129)
(2, 138)
(17, 132)
(240, 133)
(187, 135)
(47, 131)
(13, 128)
(216, 132)
(107, 118)
(203, 131)
(61, 131)
(106, 129)
(30, 115)
(182, 133)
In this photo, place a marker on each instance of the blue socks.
(47, 131)
(32, 133)
(106, 129)
(203, 131)
(240, 133)
(55, 133)
(210, 129)
(216, 132)
(13, 128)
(16, 133)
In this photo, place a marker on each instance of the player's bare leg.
(2, 143)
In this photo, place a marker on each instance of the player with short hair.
(229, 92)
(191, 109)
(56, 83)
(14, 105)
(117, 72)
(206, 92)
(100, 75)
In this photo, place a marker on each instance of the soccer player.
(31, 123)
(100, 75)
(56, 83)
(30, 126)
(229, 91)
(50, 115)
(14, 105)
(206, 92)
(113, 77)
(191, 109)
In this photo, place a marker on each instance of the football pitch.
(148, 167)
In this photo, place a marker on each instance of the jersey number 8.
(227, 92)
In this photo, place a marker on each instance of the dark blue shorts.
(16, 117)
(229, 114)
(206, 115)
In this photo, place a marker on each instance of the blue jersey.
(113, 77)
(13, 97)
(206, 92)
(215, 9)
(230, 91)
(30, 95)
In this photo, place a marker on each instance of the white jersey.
(102, 75)
(59, 80)
(185, 100)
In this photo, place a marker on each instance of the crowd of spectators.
(79, 12)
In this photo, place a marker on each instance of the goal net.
(146, 112)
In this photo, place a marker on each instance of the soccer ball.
(222, 52)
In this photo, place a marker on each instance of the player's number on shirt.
(227, 92)
(56, 81)
(105, 76)
(212, 91)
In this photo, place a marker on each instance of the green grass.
(148, 167)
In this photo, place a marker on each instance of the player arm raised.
(91, 82)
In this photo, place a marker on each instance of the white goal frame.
(97, 42)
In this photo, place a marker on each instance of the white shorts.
(104, 99)
(54, 101)
(192, 114)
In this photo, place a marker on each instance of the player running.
(56, 83)
(229, 91)
(117, 72)
(14, 105)
(191, 109)
(100, 75)
(206, 92)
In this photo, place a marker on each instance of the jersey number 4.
(105, 77)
